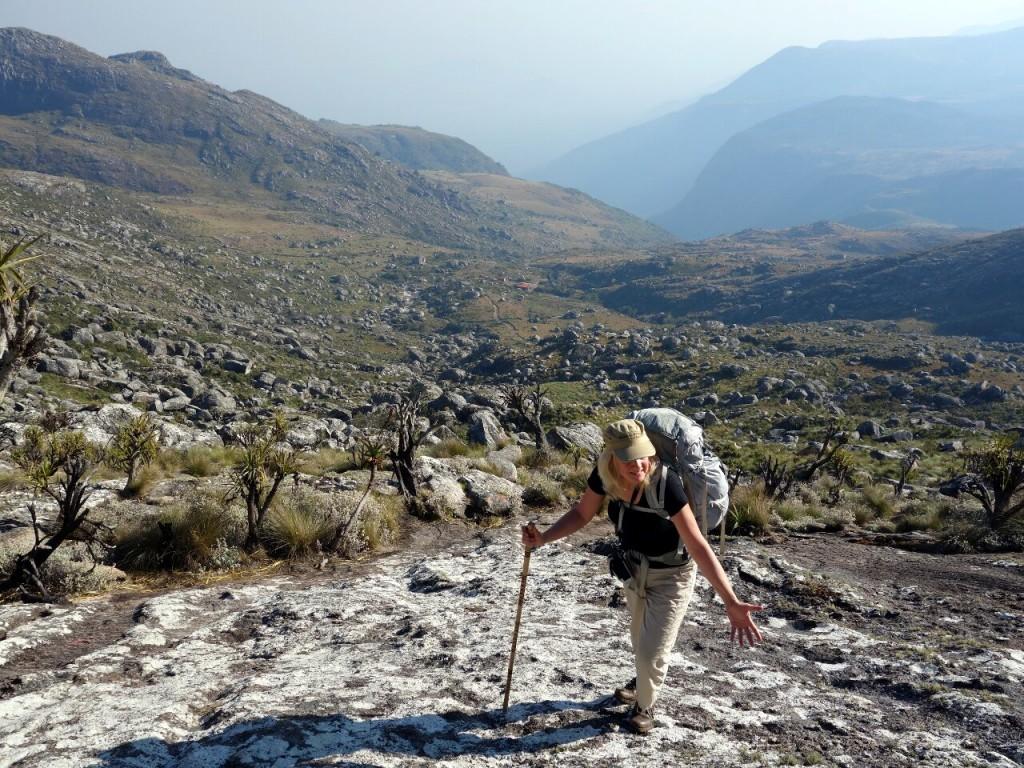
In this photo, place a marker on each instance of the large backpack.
(679, 441)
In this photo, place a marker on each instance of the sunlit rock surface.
(402, 662)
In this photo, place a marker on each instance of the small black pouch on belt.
(618, 564)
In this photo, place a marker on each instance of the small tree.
(907, 465)
(528, 402)
(776, 476)
(372, 448)
(264, 464)
(59, 465)
(21, 336)
(841, 467)
(133, 446)
(995, 477)
(833, 440)
(410, 427)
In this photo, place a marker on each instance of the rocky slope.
(873, 658)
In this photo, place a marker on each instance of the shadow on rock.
(296, 740)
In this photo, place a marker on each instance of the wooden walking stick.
(515, 629)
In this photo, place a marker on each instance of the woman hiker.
(662, 545)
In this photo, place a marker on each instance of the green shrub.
(296, 523)
(750, 511)
(135, 445)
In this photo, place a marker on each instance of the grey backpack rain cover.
(679, 441)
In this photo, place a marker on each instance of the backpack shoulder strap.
(655, 493)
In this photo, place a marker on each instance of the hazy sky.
(524, 81)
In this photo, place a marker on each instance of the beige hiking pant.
(657, 600)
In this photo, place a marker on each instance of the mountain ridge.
(137, 122)
(669, 153)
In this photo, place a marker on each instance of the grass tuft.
(145, 478)
(295, 526)
(750, 511)
(452, 448)
(200, 534)
(879, 499)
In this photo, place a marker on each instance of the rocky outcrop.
(583, 436)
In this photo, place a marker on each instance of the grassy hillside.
(416, 148)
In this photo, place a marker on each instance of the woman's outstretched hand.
(532, 538)
(744, 631)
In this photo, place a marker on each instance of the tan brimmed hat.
(628, 440)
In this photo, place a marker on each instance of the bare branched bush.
(528, 402)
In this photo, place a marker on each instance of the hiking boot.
(639, 720)
(627, 693)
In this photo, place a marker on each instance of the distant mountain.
(650, 168)
(136, 122)
(416, 148)
(869, 161)
(970, 288)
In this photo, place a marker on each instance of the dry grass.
(328, 460)
(880, 500)
(199, 462)
(539, 490)
(450, 449)
(381, 522)
(11, 480)
(145, 478)
(541, 459)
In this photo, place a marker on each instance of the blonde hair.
(613, 486)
